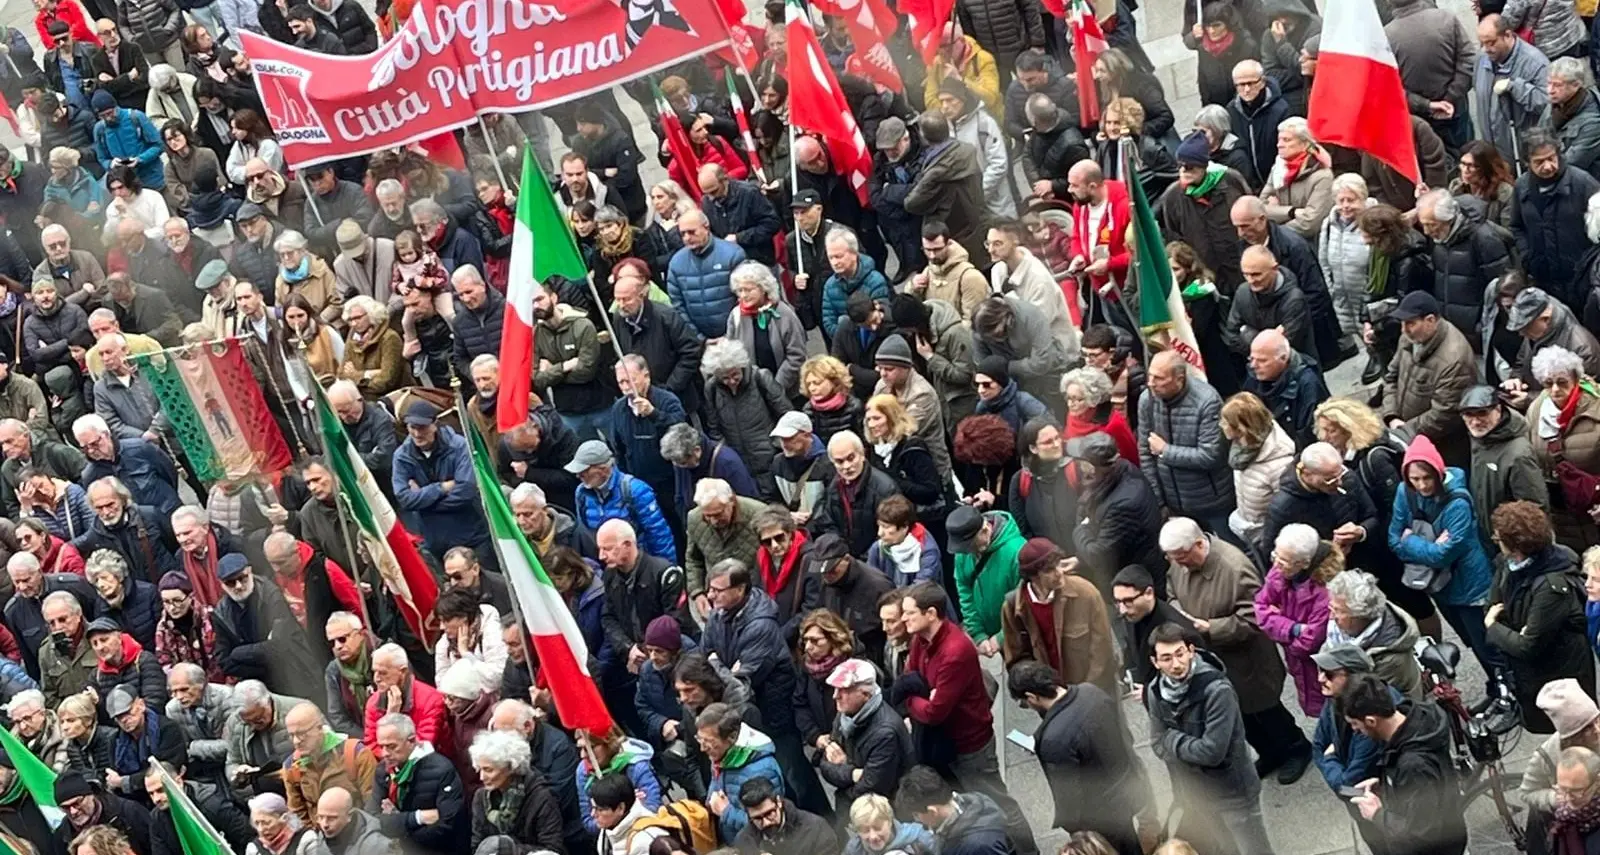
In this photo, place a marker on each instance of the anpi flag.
(1357, 99)
(384, 540)
(541, 246)
(195, 832)
(1162, 316)
(563, 654)
(817, 104)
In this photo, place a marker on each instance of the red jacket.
(426, 708)
(70, 13)
(718, 151)
(1113, 232)
(958, 704)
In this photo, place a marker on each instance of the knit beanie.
(1195, 150)
(102, 101)
(995, 368)
(894, 351)
(1037, 556)
(665, 633)
(1569, 707)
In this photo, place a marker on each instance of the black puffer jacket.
(477, 331)
(826, 423)
(1143, 87)
(433, 785)
(352, 25)
(1282, 305)
(1547, 222)
(1004, 28)
(1121, 522)
(537, 825)
(1474, 254)
(1542, 629)
(1049, 154)
(151, 24)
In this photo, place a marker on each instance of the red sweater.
(70, 13)
(716, 150)
(958, 705)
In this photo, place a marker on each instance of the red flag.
(871, 24)
(1357, 99)
(817, 104)
(927, 19)
(443, 149)
(1088, 42)
(678, 146)
(10, 117)
(744, 128)
(742, 50)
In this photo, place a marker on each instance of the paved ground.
(1304, 819)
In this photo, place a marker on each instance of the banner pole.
(311, 198)
(794, 190)
(499, 171)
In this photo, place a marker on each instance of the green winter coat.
(982, 581)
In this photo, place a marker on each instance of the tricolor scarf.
(763, 315)
(1214, 173)
(330, 740)
(1570, 408)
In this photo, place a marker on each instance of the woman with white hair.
(515, 811)
(1292, 605)
(72, 184)
(766, 325)
(668, 201)
(1226, 149)
(33, 722)
(1090, 410)
(1344, 255)
(303, 272)
(373, 350)
(278, 829)
(1359, 614)
(130, 601)
(875, 831)
(743, 404)
(1299, 189)
(1566, 416)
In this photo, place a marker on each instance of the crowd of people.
(808, 469)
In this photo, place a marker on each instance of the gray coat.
(364, 836)
(1526, 98)
(1035, 357)
(207, 742)
(1556, 25)
(1192, 477)
(744, 420)
(129, 408)
(787, 337)
(1200, 737)
(1580, 136)
(238, 735)
(369, 274)
(950, 366)
(1435, 54)
(1343, 256)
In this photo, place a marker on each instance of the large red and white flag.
(927, 19)
(1088, 42)
(1357, 99)
(871, 24)
(741, 49)
(817, 104)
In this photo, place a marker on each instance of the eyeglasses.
(714, 590)
(336, 640)
(774, 540)
(237, 581)
(1248, 84)
(1127, 601)
(55, 244)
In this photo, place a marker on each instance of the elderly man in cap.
(433, 478)
(894, 170)
(1422, 388)
(365, 264)
(851, 590)
(898, 376)
(1504, 468)
(987, 542)
(1344, 757)
(1120, 517)
(121, 662)
(605, 493)
(142, 733)
(869, 747)
(254, 259)
(219, 312)
(1577, 722)
(1544, 321)
(1288, 382)
(258, 636)
(801, 465)
(807, 243)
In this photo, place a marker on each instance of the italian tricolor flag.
(385, 541)
(563, 654)
(542, 245)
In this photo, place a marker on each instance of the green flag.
(37, 778)
(194, 830)
(13, 845)
(1162, 315)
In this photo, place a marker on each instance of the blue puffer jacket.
(838, 289)
(1354, 758)
(77, 191)
(697, 282)
(635, 759)
(750, 757)
(139, 612)
(13, 679)
(132, 134)
(146, 470)
(656, 698)
(450, 518)
(1448, 510)
(625, 497)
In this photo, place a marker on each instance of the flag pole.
(342, 511)
(311, 198)
(488, 140)
(794, 190)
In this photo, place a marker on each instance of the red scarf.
(130, 655)
(749, 311)
(503, 216)
(1216, 47)
(830, 403)
(1569, 409)
(1292, 167)
(203, 573)
(774, 584)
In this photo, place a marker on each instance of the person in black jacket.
(1256, 110)
(611, 153)
(504, 763)
(778, 827)
(1547, 217)
(1413, 800)
(1054, 144)
(865, 326)
(370, 428)
(332, 201)
(537, 452)
(311, 34)
(258, 637)
(142, 733)
(86, 804)
(417, 795)
(1041, 499)
(894, 170)
(850, 499)
(670, 345)
(1093, 775)
(555, 756)
(869, 747)
(120, 68)
(220, 810)
(640, 586)
(350, 22)
(738, 211)
(1536, 612)
(963, 823)
(1272, 299)
(123, 663)
(851, 590)
(1121, 516)
(1036, 72)
(1468, 254)
(1141, 607)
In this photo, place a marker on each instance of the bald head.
(334, 809)
(1086, 183)
(1496, 37)
(1260, 268)
(810, 155)
(1269, 355)
(1249, 216)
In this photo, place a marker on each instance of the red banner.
(455, 59)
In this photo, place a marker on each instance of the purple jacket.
(1281, 605)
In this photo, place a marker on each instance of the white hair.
(724, 356)
(843, 237)
(1299, 127)
(1180, 533)
(24, 561)
(90, 424)
(188, 670)
(1094, 383)
(528, 491)
(1555, 361)
(466, 273)
(621, 527)
(392, 653)
(1591, 219)
(708, 490)
(846, 439)
(103, 561)
(251, 694)
(1360, 592)
(389, 187)
(192, 513)
(485, 360)
(757, 274)
(524, 711)
(1445, 207)
(290, 239)
(1351, 181)
(24, 700)
(1298, 541)
(65, 598)
(1321, 456)
(274, 804)
(344, 390)
(502, 749)
(377, 312)
(1572, 70)
(346, 619)
(400, 722)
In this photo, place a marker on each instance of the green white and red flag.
(196, 834)
(36, 777)
(744, 127)
(1162, 314)
(216, 409)
(562, 652)
(384, 541)
(541, 246)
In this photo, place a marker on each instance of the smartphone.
(1351, 793)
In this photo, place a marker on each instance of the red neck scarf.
(1216, 47)
(830, 403)
(1292, 167)
(203, 573)
(1570, 408)
(775, 582)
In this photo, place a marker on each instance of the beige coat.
(1303, 205)
(1223, 592)
(957, 282)
(1256, 484)
(319, 289)
(1424, 384)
